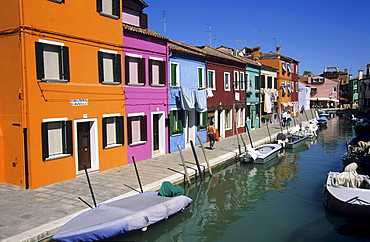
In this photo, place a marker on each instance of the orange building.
(62, 102)
(287, 69)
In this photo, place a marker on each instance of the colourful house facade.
(187, 96)
(62, 98)
(146, 93)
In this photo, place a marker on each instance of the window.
(135, 70)
(109, 64)
(334, 89)
(112, 130)
(52, 61)
(236, 80)
(227, 81)
(202, 120)
(269, 82)
(201, 83)
(275, 82)
(263, 81)
(242, 82)
(257, 82)
(175, 75)
(56, 138)
(176, 117)
(228, 119)
(109, 8)
(240, 113)
(211, 79)
(136, 128)
(248, 83)
(156, 72)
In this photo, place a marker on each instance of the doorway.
(84, 145)
(158, 133)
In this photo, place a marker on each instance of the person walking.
(283, 118)
(302, 109)
(288, 118)
(211, 135)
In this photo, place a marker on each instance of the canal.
(278, 201)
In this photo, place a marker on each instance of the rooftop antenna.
(215, 38)
(259, 36)
(275, 42)
(210, 33)
(165, 23)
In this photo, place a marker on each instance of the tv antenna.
(210, 33)
(165, 23)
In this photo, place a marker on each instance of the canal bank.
(33, 215)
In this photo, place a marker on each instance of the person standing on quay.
(211, 135)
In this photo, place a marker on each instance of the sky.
(317, 33)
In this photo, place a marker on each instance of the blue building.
(188, 115)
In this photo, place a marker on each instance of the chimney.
(256, 53)
(278, 49)
(360, 72)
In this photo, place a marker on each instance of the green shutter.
(200, 78)
(172, 124)
(179, 122)
(173, 74)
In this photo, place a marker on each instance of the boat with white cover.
(348, 193)
(261, 154)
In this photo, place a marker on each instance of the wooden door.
(156, 118)
(84, 147)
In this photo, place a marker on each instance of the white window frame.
(227, 85)
(108, 11)
(236, 80)
(110, 66)
(177, 84)
(115, 142)
(213, 87)
(139, 58)
(138, 115)
(203, 83)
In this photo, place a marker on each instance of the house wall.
(146, 99)
(188, 75)
(30, 101)
(253, 99)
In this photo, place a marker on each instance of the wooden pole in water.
(249, 135)
(88, 181)
(196, 160)
(268, 130)
(237, 137)
(204, 154)
(137, 174)
(183, 163)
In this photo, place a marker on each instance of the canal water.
(278, 201)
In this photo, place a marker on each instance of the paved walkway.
(33, 215)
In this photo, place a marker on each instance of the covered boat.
(123, 215)
(348, 193)
(261, 154)
(322, 121)
(296, 141)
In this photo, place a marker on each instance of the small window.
(211, 79)
(56, 139)
(109, 68)
(227, 81)
(201, 83)
(263, 81)
(137, 129)
(242, 81)
(176, 122)
(175, 74)
(236, 80)
(52, 61)
(157, 75)
(109, 8)
(269, 82)
(135, 71)
(112, 131)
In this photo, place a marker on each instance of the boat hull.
(267, 152)
(346, 201)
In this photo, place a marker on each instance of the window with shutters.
(137, 129)
(157, 75)
(269, 82)
(56, 138)
(112, 131)
(211, 79)
(176, 122)
(52, 61)
(201, 82)
(109, 8)
(109, 64)
(202, 120)
(175, 74)
(134, 70)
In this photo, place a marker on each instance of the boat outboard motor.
(281, 136)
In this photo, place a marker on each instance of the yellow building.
(62, 102)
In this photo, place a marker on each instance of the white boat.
(261, 154)
(121, 216)
(295, 142)
(348, 193)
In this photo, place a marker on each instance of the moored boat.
(348, 193)
(121, 216)
(296, 141)
(261, 154)
(322, 121)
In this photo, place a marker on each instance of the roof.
(142, 31)
(175, 45)
(273, 55)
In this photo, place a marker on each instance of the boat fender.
(144, 229)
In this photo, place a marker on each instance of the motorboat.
(348, 193)
(123, 215)
(296, 141)
(261, 154)
(322, 121)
